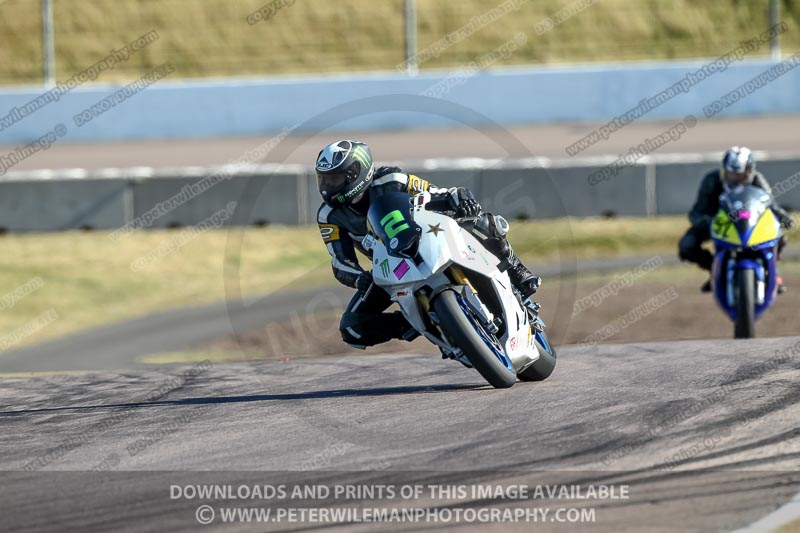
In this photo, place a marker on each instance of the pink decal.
(401, 269)
(744, 215)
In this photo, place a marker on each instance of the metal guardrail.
(139, 198)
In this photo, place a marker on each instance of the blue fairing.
(743, 207)
(749, 264)
(722, 272)
(765, 246)
(724, 245)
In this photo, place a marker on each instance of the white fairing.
(444, 242)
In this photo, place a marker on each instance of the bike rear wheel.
(541, 369)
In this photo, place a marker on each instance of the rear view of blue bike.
(745, 273)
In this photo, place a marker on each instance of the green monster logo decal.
(722, 225)
(394, 223)
(362, 156)
(385, 268)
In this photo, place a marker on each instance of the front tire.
(541, 369)
(460, 330)
(745, 325)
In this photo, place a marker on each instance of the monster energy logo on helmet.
(362, 156)
(349, 159)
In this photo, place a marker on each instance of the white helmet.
(738, 167)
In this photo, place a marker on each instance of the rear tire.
(544, 366)
(745, 325)
(458, 328)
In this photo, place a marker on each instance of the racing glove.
(384, 170)
(364, 281)
(463, 203)
(788, 222)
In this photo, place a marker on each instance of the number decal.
(722, 224)
(724, 229)
(394, 223)
(416, 184)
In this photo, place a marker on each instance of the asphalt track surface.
(777, 134)
(703, 433)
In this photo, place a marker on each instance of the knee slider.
(350, 335)
(501, 225)
(492, 226)
(348, 328)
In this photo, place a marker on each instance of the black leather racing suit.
(705, 209)
(364, 322)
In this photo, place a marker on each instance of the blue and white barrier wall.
(159, 107)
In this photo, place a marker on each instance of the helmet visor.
(331, 184)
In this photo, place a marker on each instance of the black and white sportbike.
(451, 290)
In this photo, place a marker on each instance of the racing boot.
(781, 245)
(492, 231)
(522, 278)
(706, 286)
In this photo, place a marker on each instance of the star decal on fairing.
(434, 229)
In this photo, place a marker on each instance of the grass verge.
(691, 315)
(213, 37)
(88, 279)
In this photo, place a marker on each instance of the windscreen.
(744, 206)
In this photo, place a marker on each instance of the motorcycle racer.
(345, 176)
(738, 168)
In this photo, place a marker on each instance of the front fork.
(471, 299)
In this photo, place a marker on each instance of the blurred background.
(157, 157)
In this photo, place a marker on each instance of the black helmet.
(344, 170)
(738, 166)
